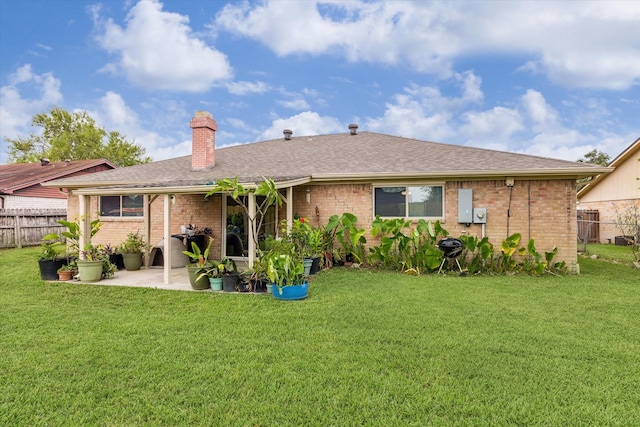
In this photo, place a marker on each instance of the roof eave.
(480, 173)
(119, 189)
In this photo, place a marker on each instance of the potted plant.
(132, 249)
(214, 275)
(67, 271)
(90, 264)
(114, 256)
(230, 275)
(285, 269)
(50, 261)
(257, 276)
(198, 280)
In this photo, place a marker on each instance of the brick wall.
(544, 210)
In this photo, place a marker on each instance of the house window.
(121, 206)
(424, 201)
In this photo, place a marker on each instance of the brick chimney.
(203, 140)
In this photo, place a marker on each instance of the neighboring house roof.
(626, 154)
(20, 176)
(332, 158)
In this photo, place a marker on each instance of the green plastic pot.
(89, 271)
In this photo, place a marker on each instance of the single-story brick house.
(363, 173)
(612, 194)
(21, 184)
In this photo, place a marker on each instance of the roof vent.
(287, 134)
(44, 162)
(354, 129)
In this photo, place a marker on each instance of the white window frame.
(441, 218)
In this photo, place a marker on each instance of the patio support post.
(253, 232)
(289, 208)
(166, 251)
(85, 231)
(146, 214)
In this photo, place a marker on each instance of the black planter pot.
(315, 267)
(229, 282)
(116, 259)
(49, 268)
(259, 286)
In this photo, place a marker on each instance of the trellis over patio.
(168, 197)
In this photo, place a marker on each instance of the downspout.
(529, 208)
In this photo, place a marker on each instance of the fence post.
(586, 235)
(17, 232)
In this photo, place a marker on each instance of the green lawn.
(622, 254)
(366, 348)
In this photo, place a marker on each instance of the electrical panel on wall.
(480, 215)
(465, 205)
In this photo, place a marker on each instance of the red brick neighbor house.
(610, 196)
(21, 183)
(364, 173)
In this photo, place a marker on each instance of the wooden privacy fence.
(24, 227)
(589, 226)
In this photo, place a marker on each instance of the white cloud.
(541, 114)
(295, 104)
(577, 43)
(491, 128)
(113, 113)
(25, 95)
(157, 50)
(424, 112)
(528, 125)
(306, 123)
(245, 88)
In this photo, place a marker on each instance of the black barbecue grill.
(452, 248)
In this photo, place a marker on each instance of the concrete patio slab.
(148, 278)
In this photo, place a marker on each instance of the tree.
(596, 157)
(593, 157)
(73, 136)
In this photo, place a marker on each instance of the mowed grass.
(623, 254)
(366, 348)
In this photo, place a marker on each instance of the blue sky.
(556, 79)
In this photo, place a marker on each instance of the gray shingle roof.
(363, 156)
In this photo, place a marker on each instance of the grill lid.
(451, 247)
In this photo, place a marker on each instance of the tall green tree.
(593, 157)
(596, 157)
(73, 136)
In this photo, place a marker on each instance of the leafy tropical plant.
(50, 245)
(406, 247)
(201, 257)
(133, 244)
(239, 193)
(350, 237)
(285, 270)
(477, 253)
(73, 233)
(509, 248)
